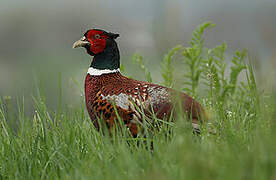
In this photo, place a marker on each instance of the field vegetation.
(63, 144)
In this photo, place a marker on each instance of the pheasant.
(108, 93)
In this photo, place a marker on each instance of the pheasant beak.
(81, 43)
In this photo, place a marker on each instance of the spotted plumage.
(107, 91)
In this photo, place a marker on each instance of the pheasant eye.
(97, 36)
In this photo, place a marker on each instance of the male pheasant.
(106, 87)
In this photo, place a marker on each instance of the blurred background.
(37, 36)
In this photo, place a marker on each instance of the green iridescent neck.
(108, 59)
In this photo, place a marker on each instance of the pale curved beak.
(80, 43)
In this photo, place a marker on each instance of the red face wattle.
(97, 40)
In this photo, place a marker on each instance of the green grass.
(63, 144)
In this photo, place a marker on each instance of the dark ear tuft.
(113, 36)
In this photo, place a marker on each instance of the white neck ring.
(97, 72)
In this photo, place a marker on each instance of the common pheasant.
(106, 87)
